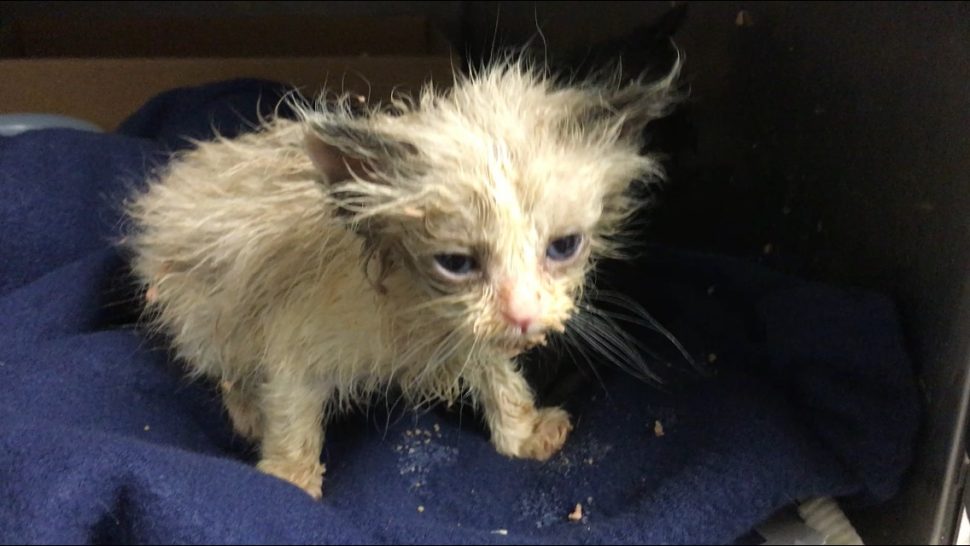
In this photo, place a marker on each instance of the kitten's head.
(498, 195)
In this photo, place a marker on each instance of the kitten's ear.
(637, 104)
(329, 159)
(339, 147)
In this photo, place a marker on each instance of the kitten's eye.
(563, 248)
(456, 265)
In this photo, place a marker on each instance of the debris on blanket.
(658, 429)
(502, 532)
(577, 513)
(418, 454)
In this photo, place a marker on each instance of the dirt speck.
(743, 19)
(658, 429)
(576, 514)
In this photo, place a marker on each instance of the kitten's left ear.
(637, 104)
(338, 146)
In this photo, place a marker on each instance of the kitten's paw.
(552, 427)
(307, 477)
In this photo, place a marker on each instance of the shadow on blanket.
(101, 441)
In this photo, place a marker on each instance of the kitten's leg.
(242, 405)
(293, 414)
(519, 429)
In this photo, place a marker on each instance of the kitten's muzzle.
(521, 308)
(525, 326)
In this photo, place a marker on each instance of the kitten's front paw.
(552, 427)
(307, 477)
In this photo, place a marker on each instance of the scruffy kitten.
(424, 245)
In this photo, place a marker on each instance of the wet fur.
(294, 265)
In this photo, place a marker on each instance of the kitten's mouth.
(514, 347)
(511, 343)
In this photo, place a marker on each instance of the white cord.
(825, 517)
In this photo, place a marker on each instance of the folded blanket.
(103, 441)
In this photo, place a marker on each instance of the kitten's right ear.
(339, 147)
(333, 164)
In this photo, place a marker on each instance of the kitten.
(424, 245)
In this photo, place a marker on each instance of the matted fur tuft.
(296, 265)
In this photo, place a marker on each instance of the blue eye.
(458, 265)
(563, 248)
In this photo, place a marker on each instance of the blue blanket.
(103, 441)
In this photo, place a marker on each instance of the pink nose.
(520, 306)
(522, 323)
